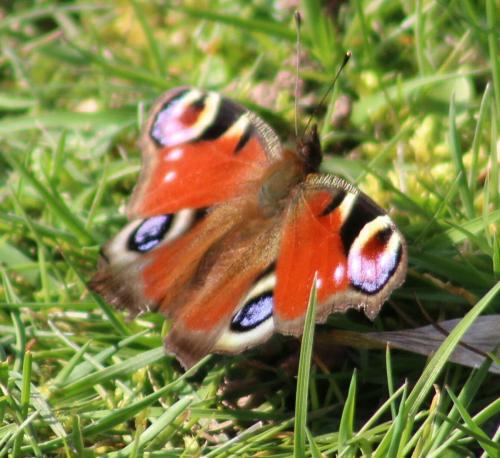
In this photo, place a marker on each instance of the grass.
(416, 126)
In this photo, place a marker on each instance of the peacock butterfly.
(228, 229)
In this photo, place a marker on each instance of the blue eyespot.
(253, 313)
(150, 233)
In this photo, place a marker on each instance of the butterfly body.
(229, 229)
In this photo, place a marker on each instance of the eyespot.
(184, 117)
(257, 305)
(374, 255)
(150, 233)
(253, 313)
(253, 322)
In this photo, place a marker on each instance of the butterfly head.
(309, 150)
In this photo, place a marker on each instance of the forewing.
(336, 231)
(200, 149)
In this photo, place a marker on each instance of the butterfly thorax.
(288, 172)
(277, 184)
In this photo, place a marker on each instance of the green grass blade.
(372, 104)
(148, 33)
(436, 364)
(54, 203)
(320, 29)
(159, 425)
(118, 119)
(390, 378)
(47, 11)
(473, 426)
(66, 370)
(240, 438)
(493, 182)
(111, 314)
(313, 446)
(346, 428)
(420, 38)
(466, 396)
(25, 400)
(456, 235)
(247, 25)
(400, 424)
(303, 374)
(382, 410)
(476, 142)
(111, 372)
(456, 151)
(77, 437)
(117, 416)
(492, 21)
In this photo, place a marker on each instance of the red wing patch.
(199, 175)
(200, 149)
(310, 244)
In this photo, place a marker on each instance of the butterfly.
(228, 230)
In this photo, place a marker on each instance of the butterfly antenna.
(347, 56)
(298, 23)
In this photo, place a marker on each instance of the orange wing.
(200, 149)
(338, 233)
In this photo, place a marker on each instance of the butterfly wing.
(200, 149)
(228, 282)
(336, 231)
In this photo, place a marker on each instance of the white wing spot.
(339, 273)
(174, 155)
(170, 176)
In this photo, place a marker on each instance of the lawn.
(413, 121)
